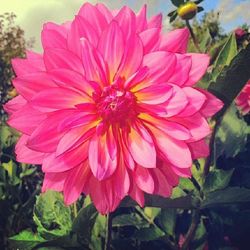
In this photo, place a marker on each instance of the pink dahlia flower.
(243, 99)
(109, 109)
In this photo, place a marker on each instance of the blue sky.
(32, 14)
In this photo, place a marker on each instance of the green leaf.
(198, 171)
(186, 184)
(151, 212)
(233, 78)
(84, 223)
(198, 1)
(227, 196)
(173, 17)
(231, 136)
(11, 169)
(171, 13)
(52, 217)
(129, 220)
(148, 234)
(167, 220)
(200, 9)
(177, 3)
(6, 136)
(206, 40)
(227, 53)
(217, 179)
(26, 240)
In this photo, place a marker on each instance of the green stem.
(218, 121)
(108, 237)
(193, 36)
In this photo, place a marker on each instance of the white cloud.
(233, 12)
(32, 14)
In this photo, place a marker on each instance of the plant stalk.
(193, 36)
(108, 237)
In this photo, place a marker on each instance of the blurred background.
(29, 220)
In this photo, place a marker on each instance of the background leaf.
(230, 195)
(217, 179)
(52, 217)
(26, 240)
(233, 78)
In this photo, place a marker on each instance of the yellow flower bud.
(187, 11)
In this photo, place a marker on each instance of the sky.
(31, 14)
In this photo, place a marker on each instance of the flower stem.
(108, 232)
(192, 229)
(75, 209)
(218, 120)
(193, 36)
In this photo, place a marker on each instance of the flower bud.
(187, 11)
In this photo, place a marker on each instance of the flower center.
(115, 105)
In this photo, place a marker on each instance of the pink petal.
(33, 55)
(173, 129)
(137, 194)
(27, 66)
(95, 67)
(71, 79)
(121, 181)
(199, 149)
(61, 29)
(26, 155)
(200, 63)
(176, 103)
(154, 94)
(162, 187)
(197, 126)
(54, 181)
(127, 22)
(144, 179)
(62, 58)
(46, 136)
(75, 137)
(53, 39)
(66, 161)
(155, 21)
(161, 66)
(26, 119)
(195, 101)
(150, 38)
(81, 28)
(103, 195)
(182, 172)
(111, 46)
(30, 84)
(141, 147)
(175, 41)
(74, 184)
(105, 11)
(137, 78)
(132, 57)
(102, 159)
(212, 104)
(174, 151)
(94, 17)
(14, 104)
(141, 19)
(57, 98)
(182, 69)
